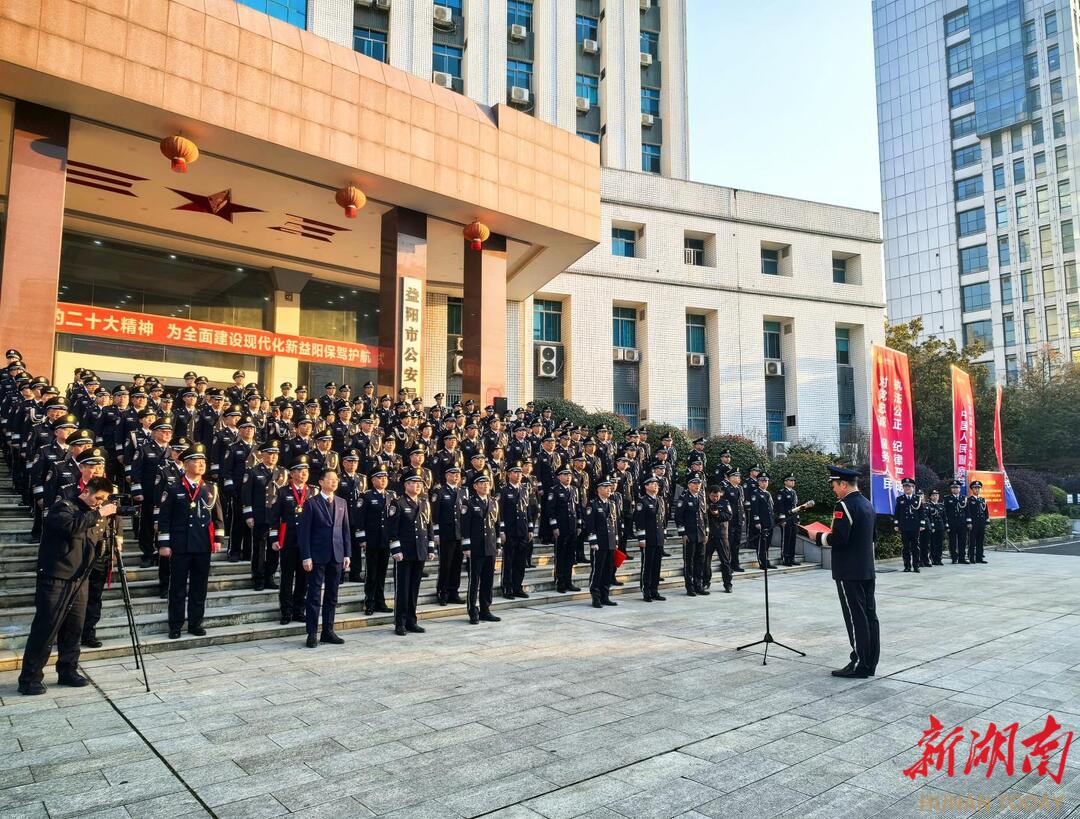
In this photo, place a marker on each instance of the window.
(370, 43)
(1017, 139)
(650, 44)
(957, 21)
(1031, 330)
(453, 5)
(1051, 24)
(697, 420)
(650, 101)
(971, 222)
(1042, 203)
(1006, 291)
(1037, 132)
(453, 316)
(628, 412)
(291, 11)
(1061, 159)
(695, 333)
(1070, 277)
(1003, 251)
(446, 59)
(1068, 241)
(962, 126)
(843, 345)
(591, 136)
(995, 146)
(966, 157)
(1027, 34)
(587, 28)
(519, 74)
(1059, 124)
(623, 327)
(1064, 196)
(958, 58)
(961, 94)
(547, 320)
(1021, 208)
(1034, 104)
(1027, 286)
(1019, 174)
(1012, 370)
(1073, 312)
(975, 297)
(650, 158)
(973, 259)
(1001, 209)
(694, 251)
(999, 177)
(1031, 66)
(1053, 58)
(772, 339)
(969, 188)
(519, 13)
(1023, 242)
(1040, 165)
(624, 242)
(1008, 330)
(1053, 330)
(1031, 361)
(1049, 281)
(774, 425)
(1056, 92)
(839, 271)
(770, 262)
(588, 87)
(979, 332)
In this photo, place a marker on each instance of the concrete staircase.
(235, 612)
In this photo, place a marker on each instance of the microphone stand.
(768, 639)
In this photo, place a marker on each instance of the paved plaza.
(644, 710)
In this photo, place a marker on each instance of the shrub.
(744, 452)
(926, 479)
(1037, 528)
(679, 439)
(886, 544)
(562, 410)
(811, 471)
(616, 423)
(1032, 493)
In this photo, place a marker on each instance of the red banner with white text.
(82, 319)
(892, 437)
(963, 403)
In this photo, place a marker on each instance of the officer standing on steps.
(190, 529)
(732, 488)
(374, 541)
(480, 543)
(516, 531)
(446, 526)
(719, 516)
(257, 495)
(411, 545)
(852, 544)
(650, 523)
(978, 517)
(692, 518)
(788, 517)
(955, 513)
(562, 511)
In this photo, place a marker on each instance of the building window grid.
(771, 333)
(624, 327)
(291, 11)
(694, 251)
(628, 412)
(966, 157)
(839, 271)
(975, 297)
(650, 158)
(519, 13)
(547, 320)
(770, 262)
(1072, 310)
(956, 22)
(973, 259)
(624, 242)
(958, 58)
(587, 28)
(968, 188)
(843, 345)
(695, 334)
(370, 43)
(518, 74)
(588, 87)
(961, 95)
(650, 44)
(979, 331)
(971, 222)
(650, 101)
(1053, 329)
(1004, 257)
(1006, 291)
(1008, 330)
(697, 421)
(447, 59)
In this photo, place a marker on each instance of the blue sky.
(782, 98)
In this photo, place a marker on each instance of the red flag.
(620, 557)
(963, 425)
(892, 446)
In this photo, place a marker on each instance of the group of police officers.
(923, 524)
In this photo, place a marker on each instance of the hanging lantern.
(180, 151)
(477, 233)
(352, 199)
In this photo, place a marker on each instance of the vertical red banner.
(892, 440)
(963, 403)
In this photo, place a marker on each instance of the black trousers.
(760, 540)
(693, 558)
(957, 543)
(164, 570)
(718, 544)
(515, 552)
(565, 546)
(860, 617)
(449, 582)
(787, 540)
(145, 527)
(95, 589)
(239, 535)
(407, 577)
(59, 609)
(356, 568)
(481, 579)
(910, 548)
(603, 564)
(924, 547)
(976, 541)
(734, 539)
(322, 592)
(292, 596)
(651, 557)
(264, 560)
(936, 542)
(374, 585)
(187, 584)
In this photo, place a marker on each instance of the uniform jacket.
(908, 514)
(324, 534)
(650, 517)
(446, 512)
(514, 512)
(851, 538)
(480, 525)
(691, 516)
(602, 524)
(190, 522)
(373, 518)
(409, 528)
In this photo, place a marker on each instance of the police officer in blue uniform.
(650, 522)
(412, 543)
(978, 517)
(909, 522)
(956, 522)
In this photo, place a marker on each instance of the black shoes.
(331, 637)
(658, 597)
(32, 689)
(488, 617)
(474, 619)
(174, 634)
(91, 641)
(312, 641)
(691, 593)
(441, 599)
(400, 631)
(852, 673)
(609, 602)
(737, 569)
(768, 565)
(257, 586)
(146, 563)
(907, 568)
(382, 608)
(702, 591)
(616, 582)
(573, 588)
(234, 558)
(982, 561)
(727, 589)
(270, 585)
(646, 598)
(561, 589)
(596, 604)
(456, 600)
(414, 628)
(197, 631)
(524, 595)
(285, 619)
(74, 680)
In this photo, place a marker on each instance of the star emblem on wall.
(218, 204)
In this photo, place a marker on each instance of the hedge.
(744, 452)
(811, 471)
(1037, 528)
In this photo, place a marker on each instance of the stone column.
(483, 322)
(35, 226)
(404, 255)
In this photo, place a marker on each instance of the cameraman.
(74, 535)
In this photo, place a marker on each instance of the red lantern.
(352, 199)
(476, 233)
(180, 151)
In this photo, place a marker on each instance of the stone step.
(117, 640)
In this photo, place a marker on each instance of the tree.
(929, 360)
(1040, 415)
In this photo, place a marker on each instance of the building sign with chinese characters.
(81, 319)
(963, 426)
(892, 444)
(410, 343)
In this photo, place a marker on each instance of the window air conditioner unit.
(364, 3)
(459, 345)
(590, 46)
(519, 95)
(647, 120)
(646, 5)
(583, 104)
(695, 359)
(546, 356)
(774, 367)
(457, 364)
(518, 32)
(778, 449)
(632, 356)
(382, 4)
(646, 58)
(443, 79)
(618, 353)
(443, 15)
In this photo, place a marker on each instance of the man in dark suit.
(852, 544)
(326, 551)
(74, 531)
